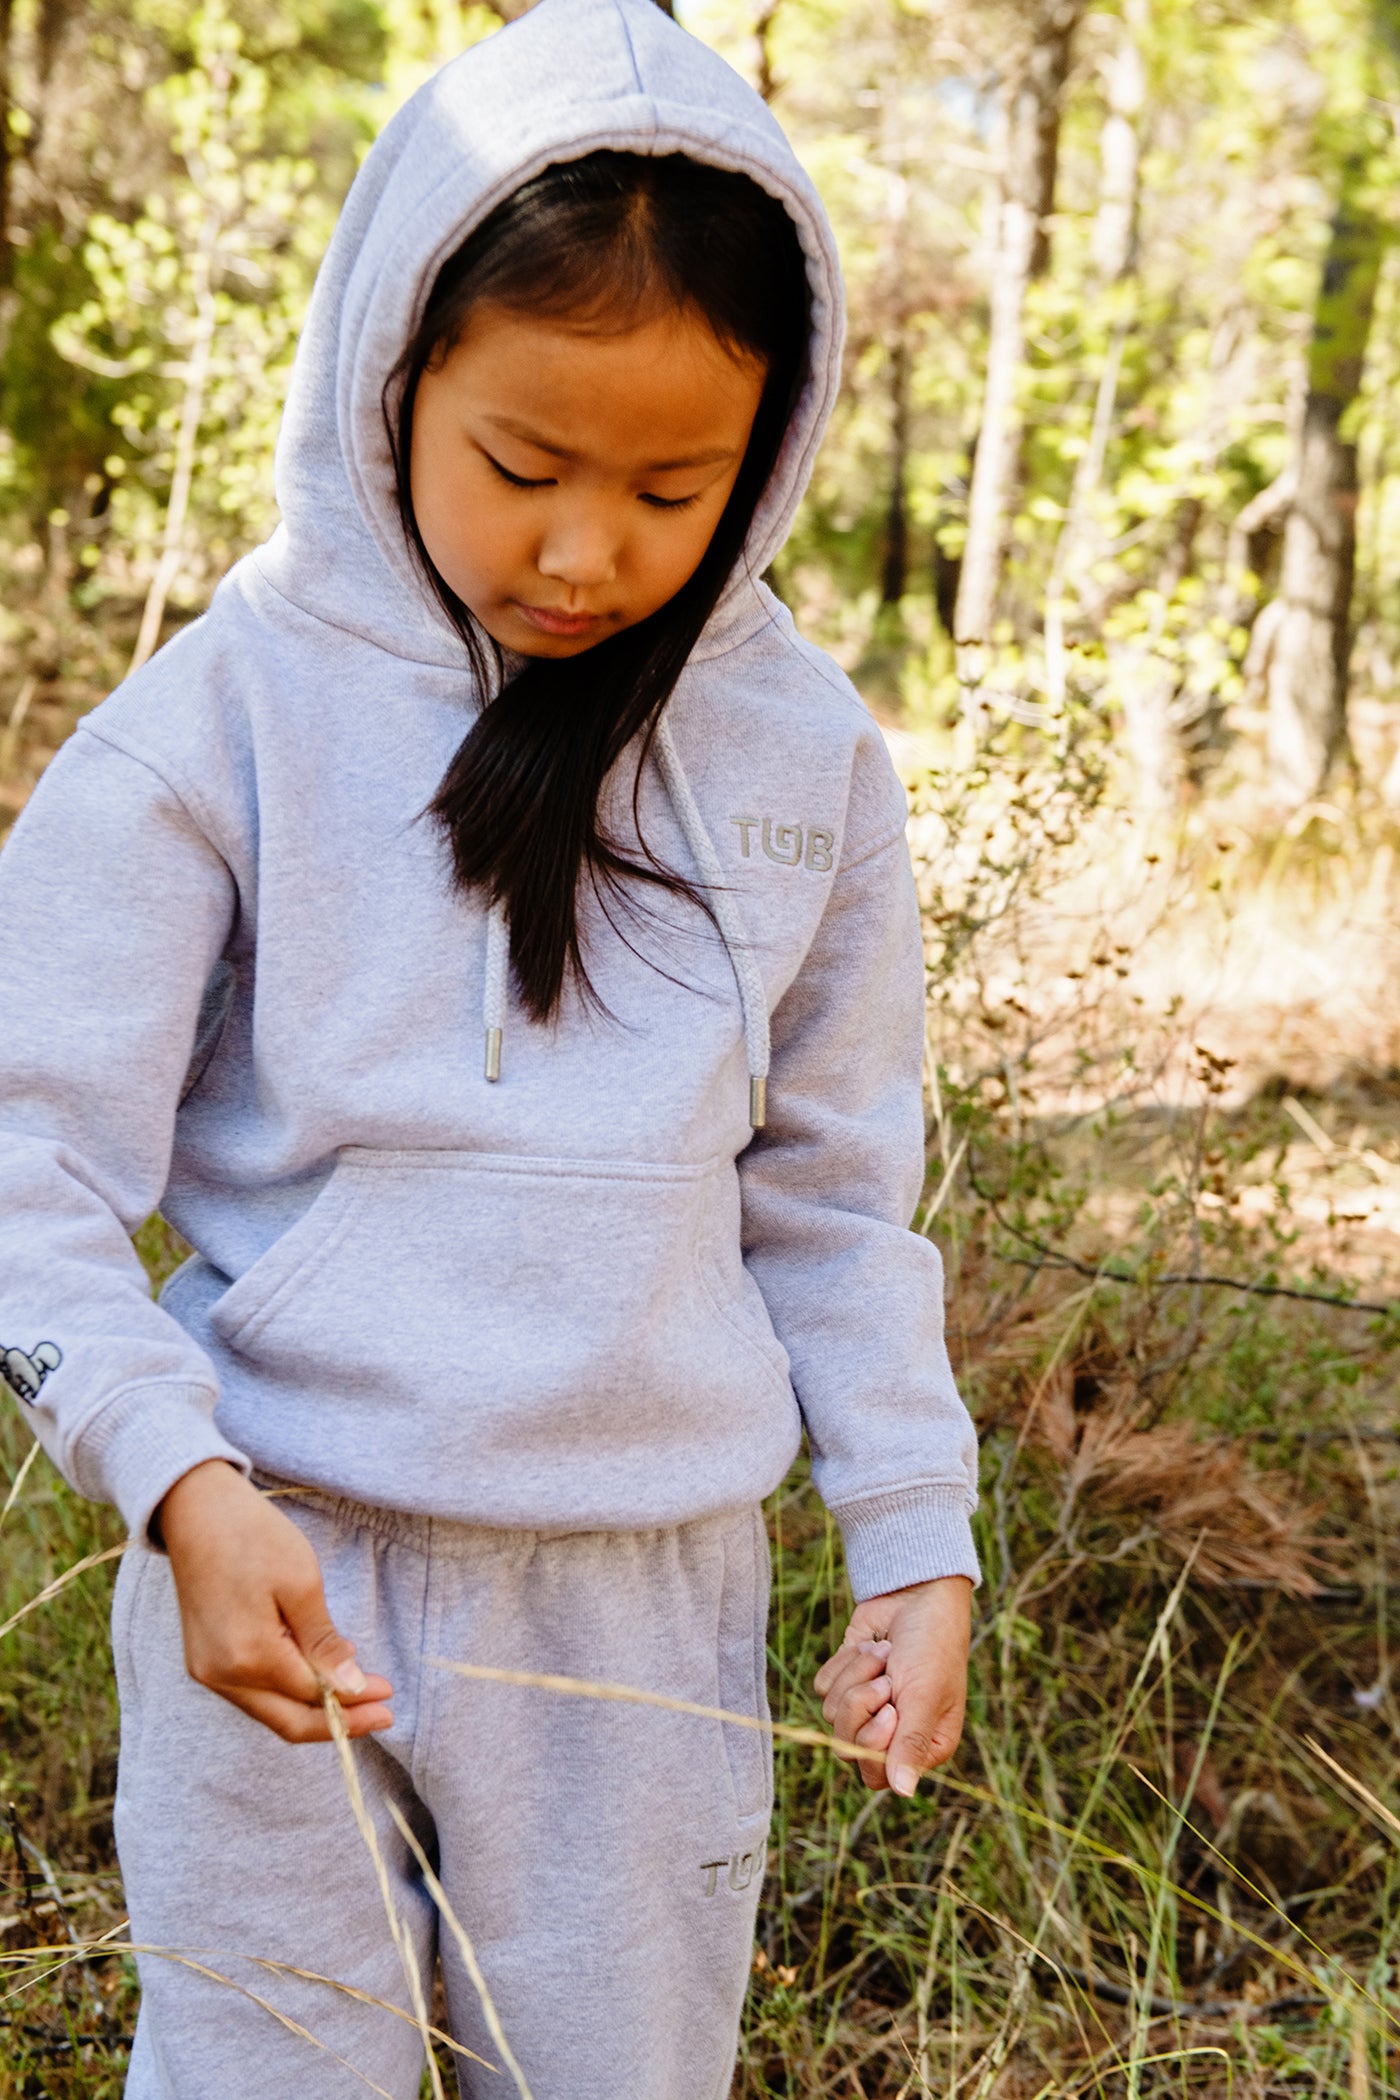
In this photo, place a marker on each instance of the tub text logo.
(790, 845)
(737, 1871)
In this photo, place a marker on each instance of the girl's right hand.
(256, 1625)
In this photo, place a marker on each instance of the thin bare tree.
(182, 478)
(1022, 254)
(1310, 637)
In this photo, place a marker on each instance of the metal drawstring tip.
(758, 1101)
(493, 1053)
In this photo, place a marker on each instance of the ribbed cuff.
(145, 1439)
(906, 1535)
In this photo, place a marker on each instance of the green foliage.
(58, 1742)
(180, 263)
(195, 307)
(55, 421)
(1155, 407)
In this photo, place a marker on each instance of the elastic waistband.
(449, 1537)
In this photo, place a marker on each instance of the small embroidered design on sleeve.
(25, 1371)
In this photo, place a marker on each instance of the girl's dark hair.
(601, 240)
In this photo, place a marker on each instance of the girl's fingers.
(877, 1734)
(849, 1711)
(296, 1723)
(327, 1653)
(376, 1691)
(260, 1658)
(274, 1665)
(853, 1663)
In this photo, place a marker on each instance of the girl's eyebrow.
(711, 456)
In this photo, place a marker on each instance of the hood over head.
(568, 78)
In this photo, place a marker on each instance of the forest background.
(1106, 531)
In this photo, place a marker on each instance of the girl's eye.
(518, 481)
(673, 502)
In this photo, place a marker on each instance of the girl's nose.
(579, 552)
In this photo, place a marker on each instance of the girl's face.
(567, 482)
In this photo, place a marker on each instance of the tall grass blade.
(633, 1695)
(467, 1951)
(399, 1931)
(17, 1485)
(61, 1582)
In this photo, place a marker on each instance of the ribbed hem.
(906, 1535)
(145, 1439)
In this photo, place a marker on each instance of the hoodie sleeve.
(114, 908)
(829, 1188)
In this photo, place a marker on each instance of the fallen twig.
(1175, 1279)
(1160, 2008)
(1105, 1272)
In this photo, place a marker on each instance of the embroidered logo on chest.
(790, 845)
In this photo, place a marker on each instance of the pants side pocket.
(743, 1663)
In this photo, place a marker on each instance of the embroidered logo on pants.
(25, 1371)
(740, 1870)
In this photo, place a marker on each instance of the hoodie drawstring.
(493, 1004)
(752, 997)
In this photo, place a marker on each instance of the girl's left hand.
(898, 1682)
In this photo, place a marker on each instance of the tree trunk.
(1023, 254)
(7, 253)
(204, 264)
(1161, 717)
(766, 82)
(1066, 563)
(1113, 253)
(1145, 682)
(894, 568)
(182, 481)
(1113, 243)
(1311, 650)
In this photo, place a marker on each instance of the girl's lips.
(560, 623)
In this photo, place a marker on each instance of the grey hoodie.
(240, 987)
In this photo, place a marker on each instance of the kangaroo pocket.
(516, 1295)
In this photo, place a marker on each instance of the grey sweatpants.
(605, 1859)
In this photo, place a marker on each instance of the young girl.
(488, 935)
